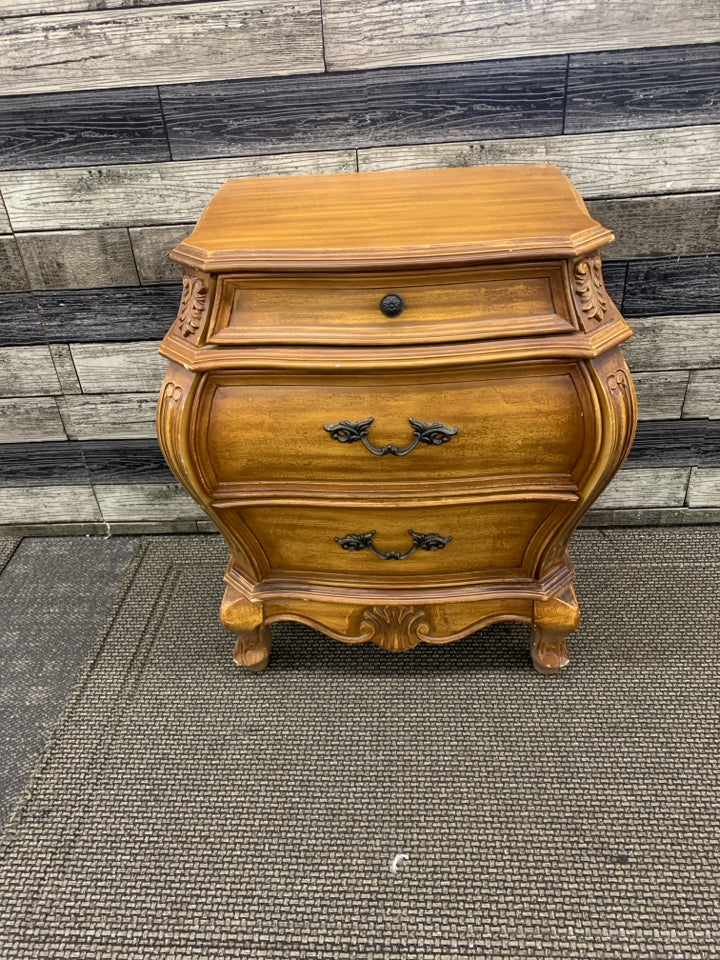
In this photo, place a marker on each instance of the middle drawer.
(497, 420)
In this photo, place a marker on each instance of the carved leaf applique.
(590, 288)
(192, 305)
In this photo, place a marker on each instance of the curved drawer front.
(450, 305)
(385, 542)
(505, 420)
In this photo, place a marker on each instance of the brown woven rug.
(184, 809)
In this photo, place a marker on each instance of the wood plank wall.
(119, 119)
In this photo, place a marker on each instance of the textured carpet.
(55, 594)
(186, 809)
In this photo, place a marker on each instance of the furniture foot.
(553, 619)
(252, 649)
(244, 617)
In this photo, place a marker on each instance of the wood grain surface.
(380, 33)
(83, 127)
(109, 417)
(19, 320)
(30, 420)
(119, 368)
(674, 342)
(65, 369)
(112, 314)
(146, 501)
(172, 43)
(52, 504)
(614, 164)
(366, 108)
(41, 464)
(670, 285)
(660, 393)
(704, 487)
(646, 487)
(78, 258)
(632, 89)
(140, 193)
(27, 372)
(151, 248)
(703, 394)
(12, 271)
(125, 461)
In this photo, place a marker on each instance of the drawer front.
(505, 420)
(382, 542)
(446, 306)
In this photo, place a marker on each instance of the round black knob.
(392, 304)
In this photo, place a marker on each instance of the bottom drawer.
(376, 542)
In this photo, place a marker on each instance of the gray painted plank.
(119, 368)
(140, 193)
(645, 487)
(30, 420)
(676, 443)
(146, 501)
(151, 248)
(126, 461)
(19, 320)
(42, 464)
(674, 342)
(27, 372)
(117, 416)
(629, 89)
(78, 258)
(4, 220)
(703, 394)
(366, 108)
(83, 127)
(169, 44)
(682, 224)
(672, 285)
(112, 314)
(379, 33)
(19, 8)
(660, 394)
(65, 368)
(657, 517)
(54, 504)
(704, 487)
(615, 164)
(12, 272)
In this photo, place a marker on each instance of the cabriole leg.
(553, 620)
(244, 618)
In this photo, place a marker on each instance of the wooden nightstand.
(396, 394)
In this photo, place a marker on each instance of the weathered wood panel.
(12, 272)
(65, 368)
(18, 8)
(630, 89)
(168, 44)
(646, 487)
(119, 368)
(112, 314)
(703, 394)
(4, 221)
(117, 416)
(146, 501)
(30, 420)
(126, 461)
(140, 193)
(674, 342)
(672, 285)
(674, 443)
(616, 164)
(614, 273)
(683, 224)
(41, 464)
(383, 33)
(704, 488)
(657, 517)
(660, 394)
(19, 320)
(366, 108)
(53, 504)
(27, 372)
(84, 127)
(74, 259)
(151, 249)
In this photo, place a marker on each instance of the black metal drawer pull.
(421, 541)
(392, 305)
(348, 431)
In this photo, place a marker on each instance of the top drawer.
(443, 306)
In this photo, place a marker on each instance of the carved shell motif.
(394, 628)
(590, 289)
(192, 305)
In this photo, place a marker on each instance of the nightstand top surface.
(410, 217)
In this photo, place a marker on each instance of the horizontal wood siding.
(175, 43)
(381, 33)
(78, 258)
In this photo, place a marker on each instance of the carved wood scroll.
(192, 305)
(394, 627)
(590, 289)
